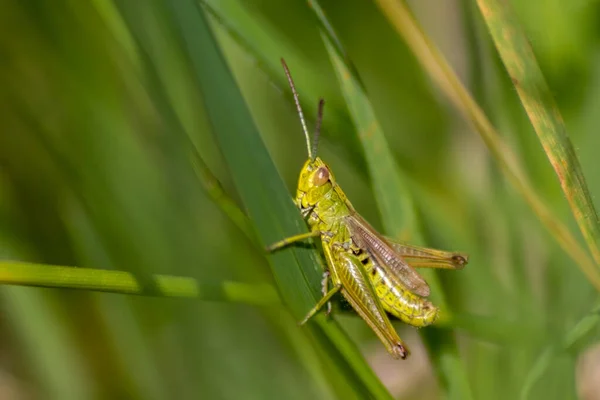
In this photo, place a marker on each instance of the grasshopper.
(374, 273)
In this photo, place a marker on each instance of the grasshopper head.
(316, 179)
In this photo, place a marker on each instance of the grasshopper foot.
(400, 351)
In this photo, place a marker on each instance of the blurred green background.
(117, 119)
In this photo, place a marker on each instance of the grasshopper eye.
(321, 176)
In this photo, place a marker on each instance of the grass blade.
(544, 361)
(441, 72)
(520, 62)
(215, 191)
(122, 282)
(262, 191)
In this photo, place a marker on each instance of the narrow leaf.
(268, 203)
(526, 75)
(545, 359)
(441, 72)
(122, 282)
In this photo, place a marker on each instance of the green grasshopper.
(374, 273)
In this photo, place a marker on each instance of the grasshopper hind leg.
(357, 289)
(347, 273)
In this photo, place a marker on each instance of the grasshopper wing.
(423, 257)
(387, 257)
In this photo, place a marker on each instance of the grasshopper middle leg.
(324, 300)
(325, 289)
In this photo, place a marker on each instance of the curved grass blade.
(526, 75)
(122, 282)
(398, 214)
(220, 198)
(571, 338)
(332, 38)
(211, 184)
(263, 193)
(441, 72)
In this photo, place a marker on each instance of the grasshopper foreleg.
(292, 239)
(298, 238)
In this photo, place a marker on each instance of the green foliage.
(159, 145)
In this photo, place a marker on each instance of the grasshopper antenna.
(318, 126)
(311, 155)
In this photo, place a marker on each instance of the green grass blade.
(391, 191)
(262, 191)
(332, 38)
(570, 339)
(519, 60)
(536, 372)
(398, 213)
(249, 163)
(215, 191)
(122, 282)
(441, 72)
